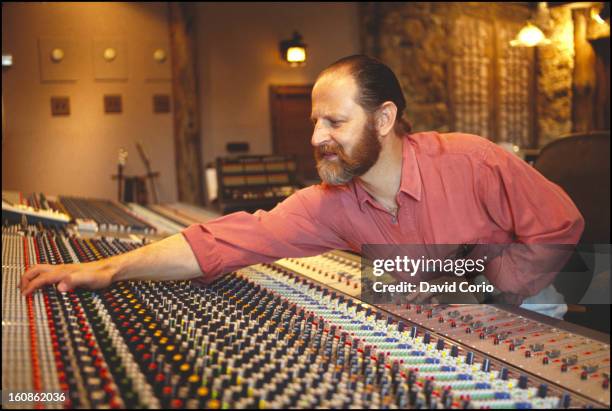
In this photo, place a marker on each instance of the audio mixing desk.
(287, 334)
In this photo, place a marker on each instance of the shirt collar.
(411, 176)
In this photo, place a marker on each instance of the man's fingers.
(35, 270)
(38, 282)
(65, 284)
(31, 274)
(42, 280)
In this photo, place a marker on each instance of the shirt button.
(394, 220)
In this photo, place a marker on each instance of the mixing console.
(37, 201)
(108, 215)
(267, 336)
(36, 208)
(161, 224)
(182, 214)
(46, 341)
(570, 360)
(196, 213)
(92, 214)
(336, 269)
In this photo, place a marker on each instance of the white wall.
(238, 59)
(77, 154)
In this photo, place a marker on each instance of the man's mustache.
(325, 149)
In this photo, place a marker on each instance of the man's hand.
(164, 260)
(94, 275)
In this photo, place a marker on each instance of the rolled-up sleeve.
(300, 226)
(522, 201)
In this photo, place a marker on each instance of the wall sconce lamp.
(159, 55)
(531, 35)
(56, 55)
(109, 54)
(293, 51)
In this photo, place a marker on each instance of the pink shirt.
(455, 189)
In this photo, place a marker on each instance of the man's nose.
(319, 136)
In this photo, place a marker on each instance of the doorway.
(290, 108)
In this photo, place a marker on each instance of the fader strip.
(108, 215)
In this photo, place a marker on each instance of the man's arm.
(302, 225)
(305, 224)
(168, 259)
(544, 220)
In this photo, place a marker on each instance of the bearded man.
(381, 184)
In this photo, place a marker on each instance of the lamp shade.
(296, 54)
(529, 36)
(293, 51)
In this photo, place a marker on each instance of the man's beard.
(343, 168)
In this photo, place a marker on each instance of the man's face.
(345, 138)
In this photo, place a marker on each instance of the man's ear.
(385, 118)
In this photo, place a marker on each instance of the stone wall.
(413, 42)
(554, 73)
(421, 42)
(448, 86)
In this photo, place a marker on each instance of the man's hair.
(377, 83)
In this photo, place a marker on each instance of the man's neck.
(383, 180)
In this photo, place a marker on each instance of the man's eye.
(334, 123)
